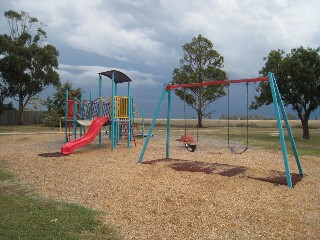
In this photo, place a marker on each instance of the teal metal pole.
(90, 113)
(81, 110)
(152, 126)
(168, 125)
(113, 114)
(293, 145)
(280, 129)
(129, 112)
(117, 132)
(142, 115)
(66, 118)
(99, 107)
(75, 118)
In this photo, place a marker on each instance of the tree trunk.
(305, 128)
(199, 119)
(20, 112)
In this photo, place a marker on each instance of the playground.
(207, 194)
(154, 187)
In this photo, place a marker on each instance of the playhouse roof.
(119, 77)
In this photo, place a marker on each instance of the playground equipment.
(188, 140)
(232, 148)
(116, 112)
(278, 106)
(89, 136)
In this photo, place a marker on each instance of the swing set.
(191, 144)
(278, 107)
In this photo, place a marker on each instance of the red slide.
(88, 137)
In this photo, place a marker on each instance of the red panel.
(261, 79)
(70, 109)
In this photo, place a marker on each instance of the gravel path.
(208, 194)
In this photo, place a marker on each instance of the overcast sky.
(144, 38)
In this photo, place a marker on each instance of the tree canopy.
(200, 63)
(298, 79)
(27, 64)
(56, 104)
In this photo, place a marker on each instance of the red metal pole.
(187, 85)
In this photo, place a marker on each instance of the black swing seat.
(191, 147)
(233, 150)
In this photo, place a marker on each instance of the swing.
(231, 148)
(189, 142)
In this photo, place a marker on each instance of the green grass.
(25, 215)
(32, 128)
(263, 137)
(4, 175)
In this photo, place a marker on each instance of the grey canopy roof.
(119, 77)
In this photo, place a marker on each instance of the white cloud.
(88, 75)
(146, 36)
(151, 32)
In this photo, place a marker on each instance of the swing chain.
(247, 128)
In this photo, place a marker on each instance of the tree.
(200, 63)
(56, 105)
(298, 79)
(36, 103)
(3, 93)
(27, 64)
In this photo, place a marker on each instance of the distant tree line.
(28, 65)
(253, 116)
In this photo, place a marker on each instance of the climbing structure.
(116, 111)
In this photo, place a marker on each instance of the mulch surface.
(206, 194)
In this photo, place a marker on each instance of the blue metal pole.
(66, 116)
(168, 125)
(90, 113)
(75, 118)
(99, 108)
(293, 145)
(117, 132)
(142, 115)
(81, 110)
(129, 112)
(280, 129)
(113, 114)
(152, 126)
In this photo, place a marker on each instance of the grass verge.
(265, 138)
(32, 128)
(27, 216)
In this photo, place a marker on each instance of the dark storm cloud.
(144, 38)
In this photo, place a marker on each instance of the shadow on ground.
(53, 154)
(227, 170)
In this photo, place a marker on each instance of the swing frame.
(278, 107)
